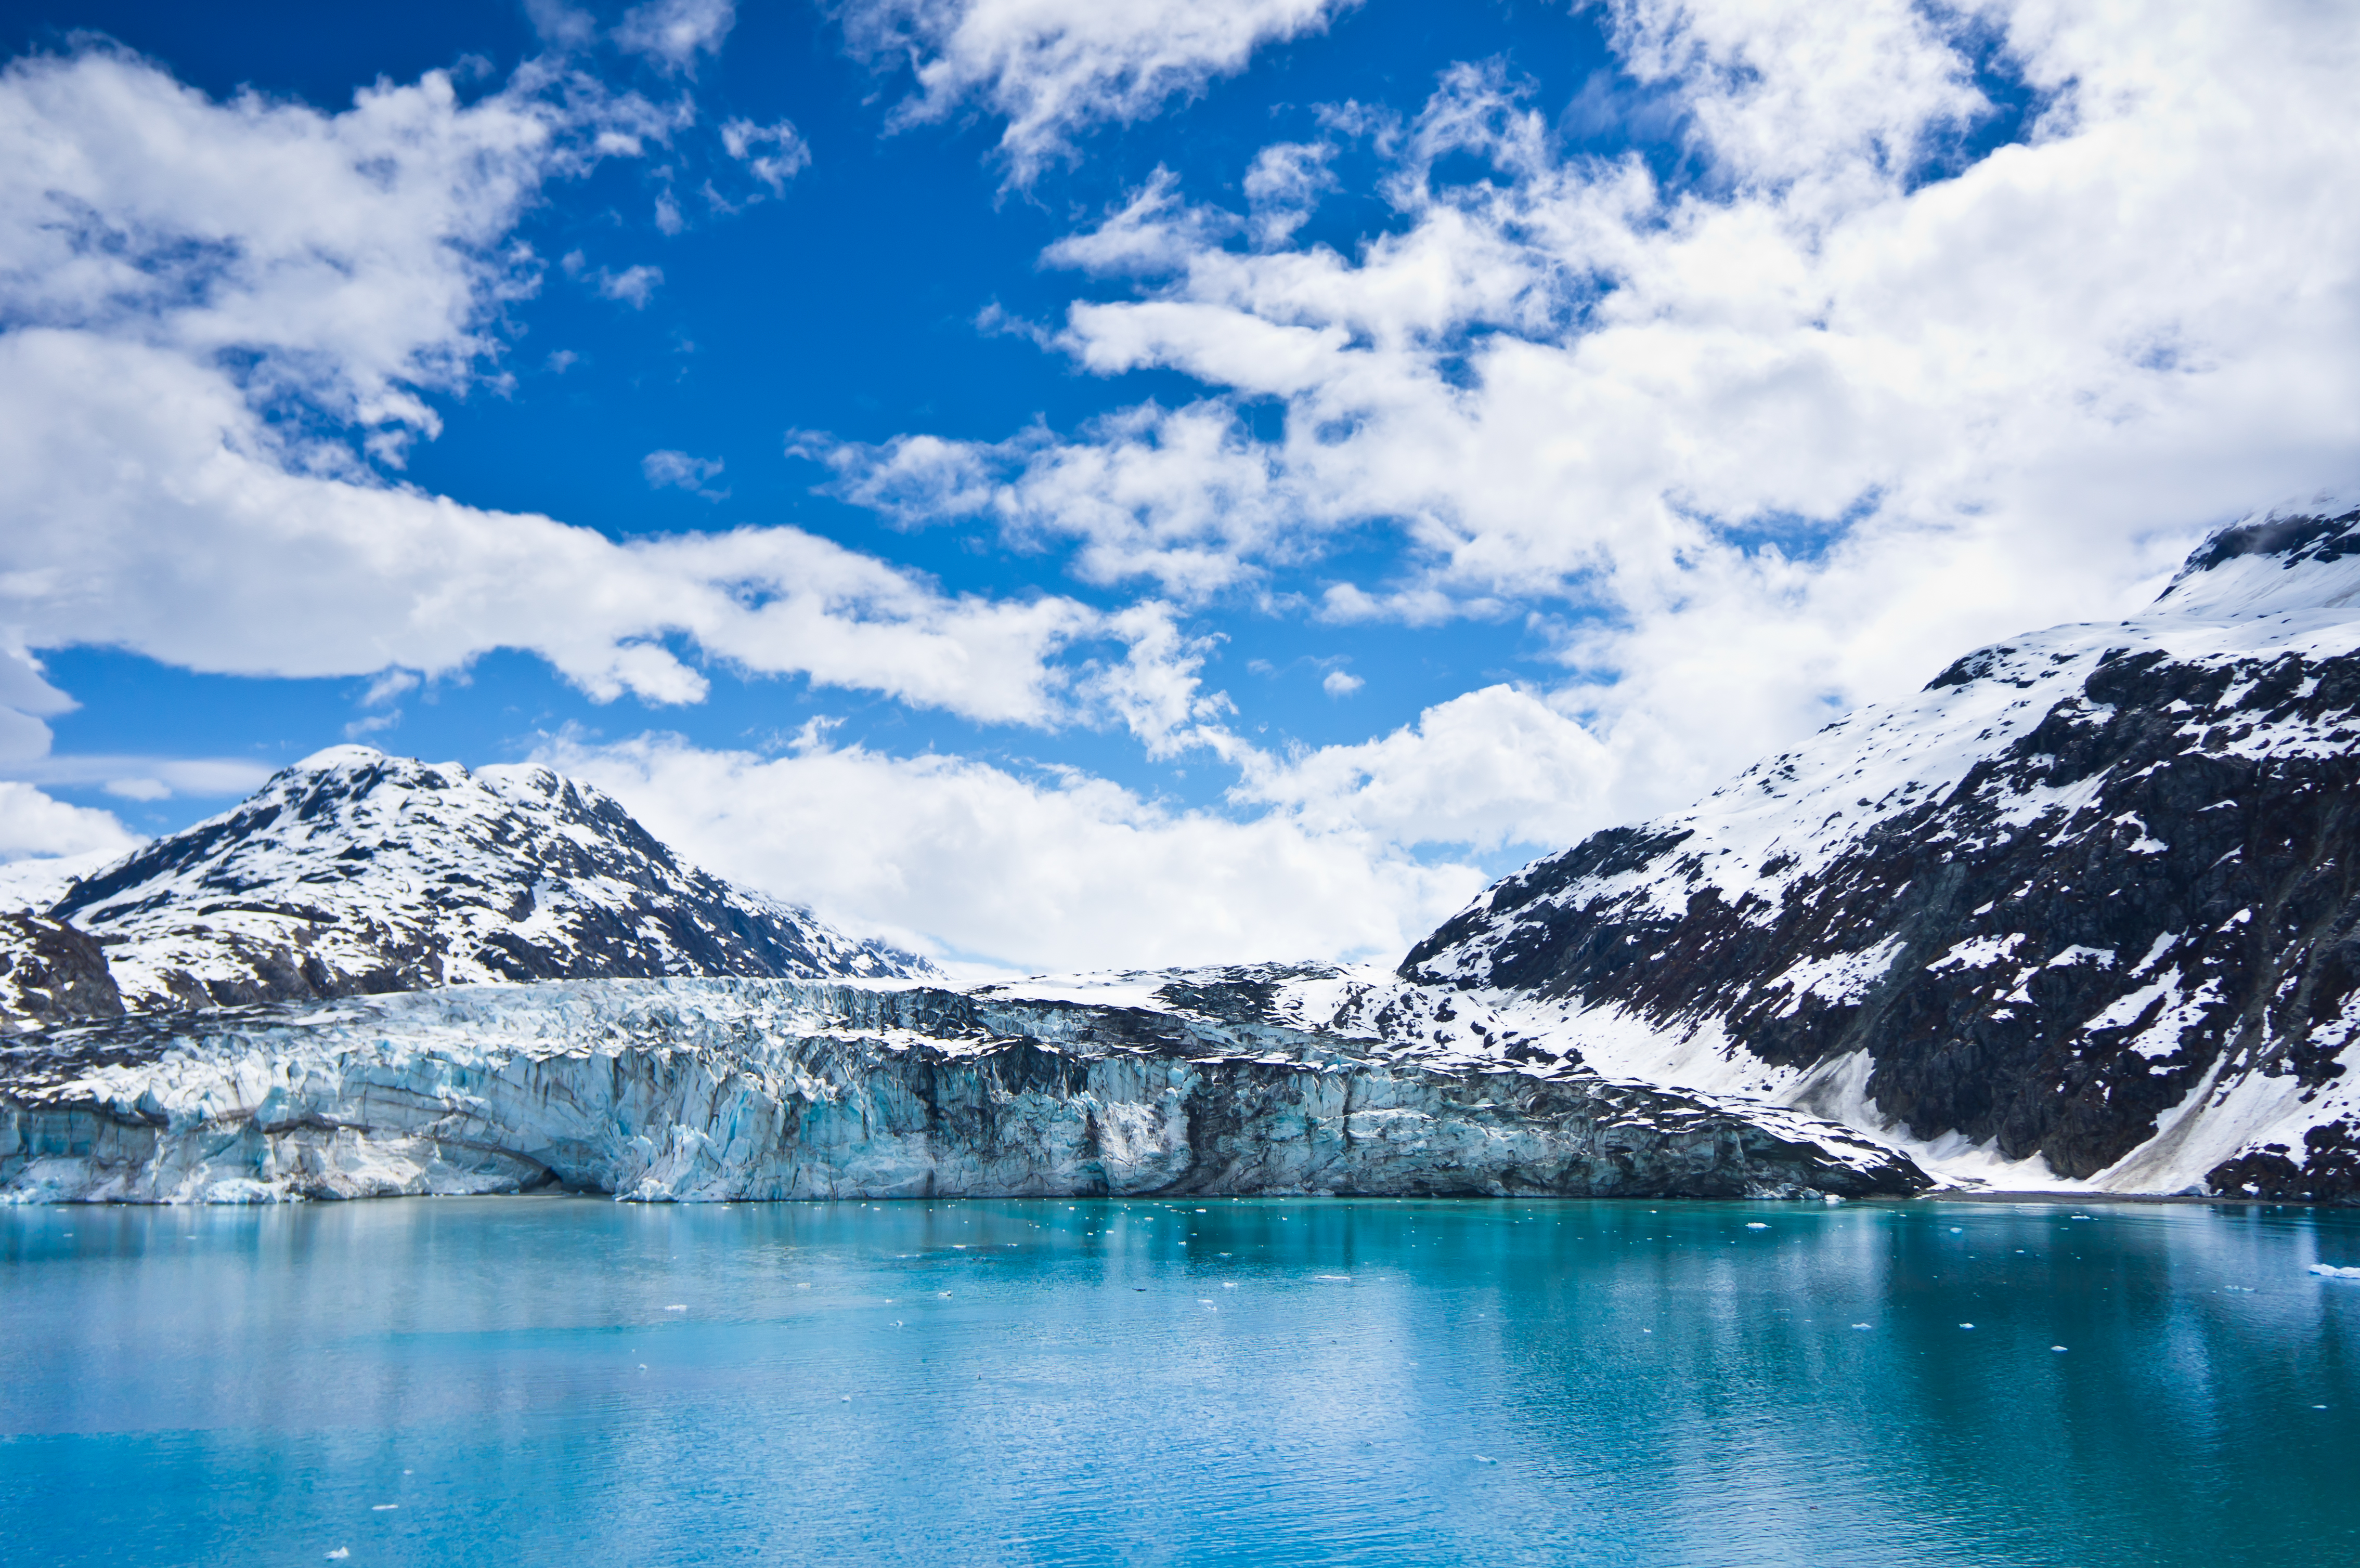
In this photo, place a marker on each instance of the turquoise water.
(508, 1381)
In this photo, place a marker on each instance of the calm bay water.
(572, 1381)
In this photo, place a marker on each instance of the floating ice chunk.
(1756, 1225)
(2333, 1272)
(1348, 1279)
(1485, 1459)
(2057, 1348)
(340, 1552)
(847, 1398)
(383, 1507)
(1229, 1284)
(1966, 1325)
(680, 1308)
(1863, 1325)
(1956, 1230)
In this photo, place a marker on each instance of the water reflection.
(573, 1381)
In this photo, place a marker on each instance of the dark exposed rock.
(50, 973)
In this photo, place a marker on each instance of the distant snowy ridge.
(2083, 911)
(356, 872)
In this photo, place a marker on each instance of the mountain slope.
(355, 872)
(2091, 896)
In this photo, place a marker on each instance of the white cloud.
(787, 156)
(672, 33)
(634, 286)
(1320, 856)
(26, 699)
(1056, 69)
(1494, 768)
(1284, 185)
(181, 276)
(681, 472)
(1073, 872)
(358, 258)
(160, 519)
(1340, 684)
(35, 824)
(140, 778)
(1779, 439)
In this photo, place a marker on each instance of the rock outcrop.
(50, 973)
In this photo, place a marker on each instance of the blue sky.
(848, 307)
(1197, 482)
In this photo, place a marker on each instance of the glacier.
(718, 1089)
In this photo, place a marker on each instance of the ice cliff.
(743, 1088)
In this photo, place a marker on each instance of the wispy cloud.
(1054, 69)
(678, 470)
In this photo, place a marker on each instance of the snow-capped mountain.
(354, 872)
(2087, 901)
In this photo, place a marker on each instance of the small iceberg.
(2333, 1272)
(1756, 1225)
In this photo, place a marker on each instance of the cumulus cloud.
(1345, 852)
(1755, 443)
(1494, 768)
(1065, 871)
(33, 824)
(203, 299)
(1056, 69)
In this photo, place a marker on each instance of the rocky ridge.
(2086, 908)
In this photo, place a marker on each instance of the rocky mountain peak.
(2297, 556)
(355, 871)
